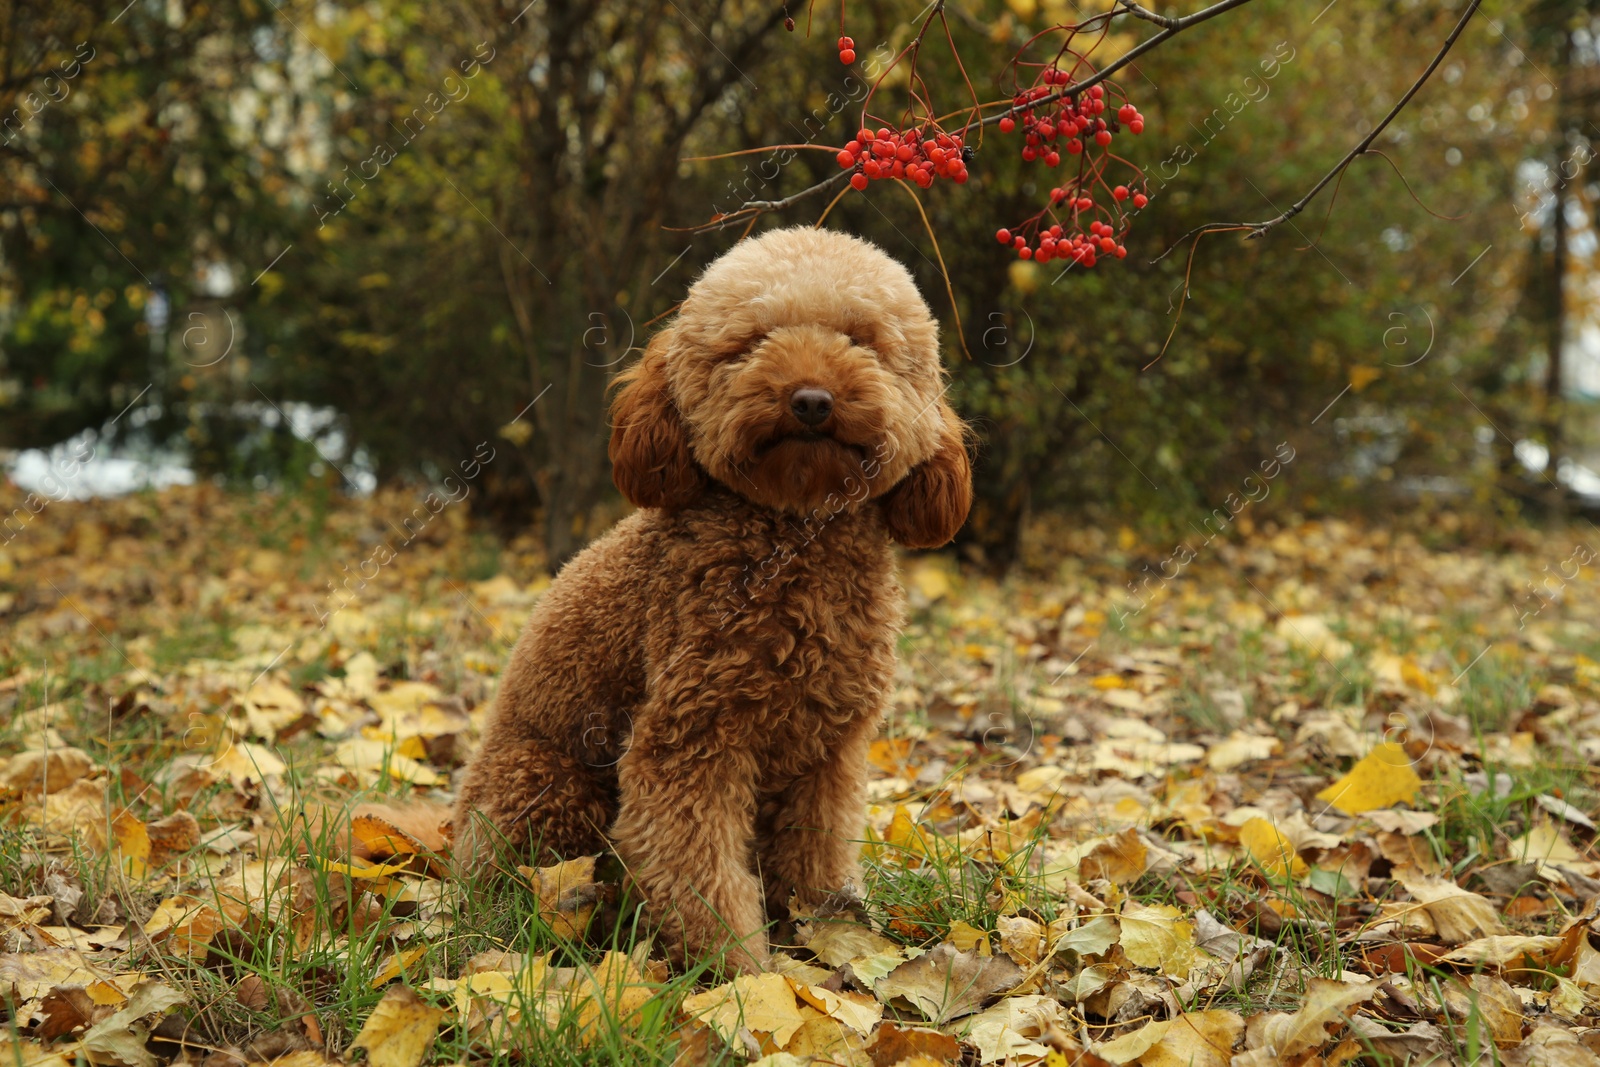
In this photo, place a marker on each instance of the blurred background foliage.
(298, 243)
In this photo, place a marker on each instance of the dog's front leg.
(816, 835)
(684, 832)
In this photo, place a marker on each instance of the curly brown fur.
(700, 685)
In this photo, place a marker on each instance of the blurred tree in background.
(310, 242)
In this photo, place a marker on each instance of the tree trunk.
(1556, 310)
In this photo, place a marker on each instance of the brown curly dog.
(700, 684)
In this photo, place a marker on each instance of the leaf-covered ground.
(1316, 795)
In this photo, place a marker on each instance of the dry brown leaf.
(1550, 1045)
(50, 770)
(1240, 749)
(946, 984)
(24, 911)
(1326, 1003)
(33, 974)
(1402, 821)
(1196, 1039)
(1119, 859)
(1012, 1027)
(20, 1052)
(1021, 938)
(1457, 914)
(1504, 949)
(174, 835)
(120, 1039)
(894, 1044)
(66, 1009)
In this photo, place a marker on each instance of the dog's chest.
(810, 615)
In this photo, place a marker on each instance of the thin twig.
(1260, 229)
(961, 334)
(1146, 14)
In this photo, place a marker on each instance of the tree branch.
(1146, 14)
(1173, 27)
(1260, 229)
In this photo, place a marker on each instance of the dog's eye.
(739, 350)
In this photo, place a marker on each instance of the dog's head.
(802, 372)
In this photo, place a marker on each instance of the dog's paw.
(846, 901)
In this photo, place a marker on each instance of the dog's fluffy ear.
(927, 508)
(650, 458)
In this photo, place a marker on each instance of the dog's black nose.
(811, 405)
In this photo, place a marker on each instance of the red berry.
(1025, 252)
(858, 180)
(1029, 154)
(1052, 159)
(1007, 124)
(788, 24)
(1120, 192)
(1057, 195)
(1074, 146)
(1018, 241)
(847, 56)
(1140, 200)
(884, 133)
(1126, 113)
(846, 160)
(1122, 253)
(1097, 91)
(1003, 235)
(1084, 203)
(865, 134)
(1055, 231)
(1107, 244)
(872, 169)
(1046, 130)
(846, 42)
(1137, 125)
(1102, 138)
(961, 175)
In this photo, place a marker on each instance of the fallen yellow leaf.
(760, 1003)
(1196, 1039)
(1158, 938)
(1273, 852)
(400, 1030)
(1380, 779)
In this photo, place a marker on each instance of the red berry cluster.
(904, 154)
(1071, 226)
(1067, 124)
(1082, 244)
(847, 50)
